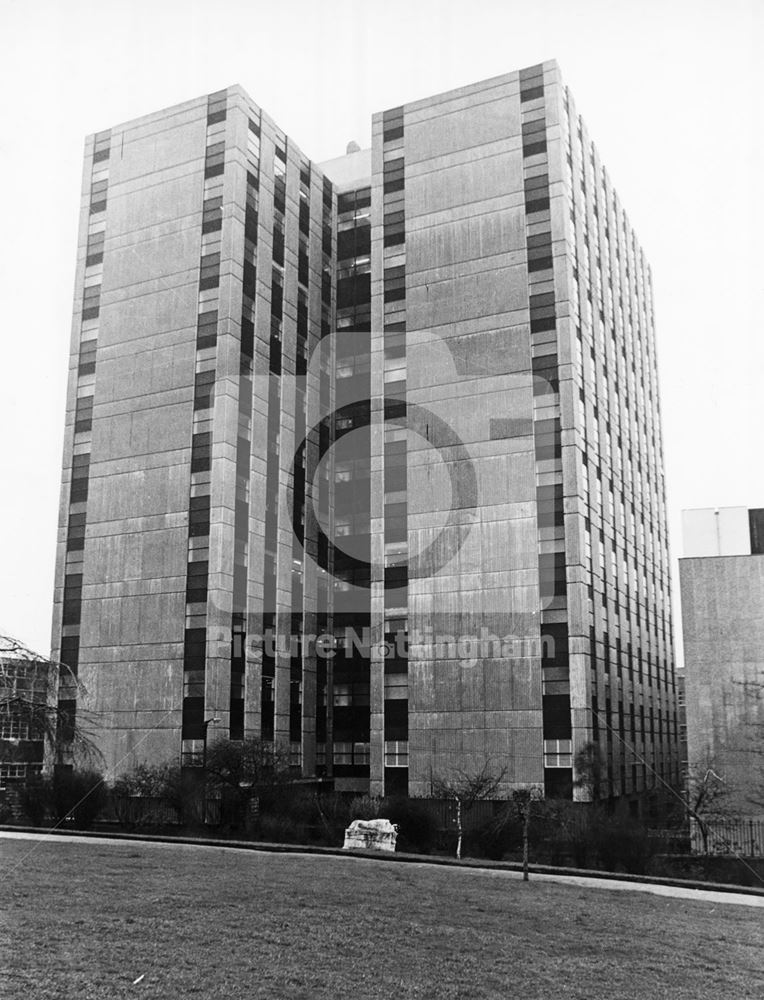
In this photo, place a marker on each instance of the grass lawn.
(85, 919)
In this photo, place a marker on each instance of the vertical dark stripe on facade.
(351, 611)
(556, 710)
(396, 732)
(299, 653)
(239, 618)
(193, 729)
(76, 527)
(325, 497)
(271, 622)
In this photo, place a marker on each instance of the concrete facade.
(723, 627)
(458, 325)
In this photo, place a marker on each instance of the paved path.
(677, 892)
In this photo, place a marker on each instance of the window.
(396, 522)
(552, 578)
(214, 161)
(212, 215)
(534, 137)
(549, 506)
(216, 107)
(558, 753)
(204, 391)
(17, 772)
(102, 146)
(80, 474)
(70, 644)
(72, 598)
(95, 248)
(199, 517)
(392, 175)
(542, 307)
(87, 359)
(531, 93)
(194, 649)
(395, 284)
(206, 330)
(279, 179)
(547, 439)
(396, 753)
(91, 302)
(756, 526)
(196, 584)
(98, 196)
(201, 452)
(253, 141)
(536, 193)
(209, 271)
(395, 229)
(392, 124)
(343, 753)
(83, 417)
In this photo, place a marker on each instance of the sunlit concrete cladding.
(459, 323)
(722, 589)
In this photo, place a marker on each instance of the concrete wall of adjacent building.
(723, 628)
(711, 531)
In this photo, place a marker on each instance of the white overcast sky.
(671, 91)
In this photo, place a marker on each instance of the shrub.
(145, 796)
(75, 797)
(334, 816)
(78, 796)
(296, 804)
(567, 832)
(496, 837)
(417, 829)
(623, 845)
(366, 807)
(282, 830)
(34, 799)
(6, 811)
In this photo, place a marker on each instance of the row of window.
(531, 83)
(197, 572)
(552, 563)
(83, 423)
(395, 455)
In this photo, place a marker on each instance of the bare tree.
(708, 797)
(31, 709)
(524, 798)
(590, 770)
(248, 770)
(465, 789)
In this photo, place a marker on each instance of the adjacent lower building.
(722, 591)
(28, 688)
(365, 456)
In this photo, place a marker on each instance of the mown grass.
(85, 920)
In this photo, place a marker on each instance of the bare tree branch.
(33, 693)
(465, 789)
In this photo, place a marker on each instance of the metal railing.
(745, 837)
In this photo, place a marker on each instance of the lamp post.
(205, 726)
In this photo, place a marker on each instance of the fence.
(443, 812)
(744, 837)
(146, 810)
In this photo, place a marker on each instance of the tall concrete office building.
(721, 578)
(365, 456)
